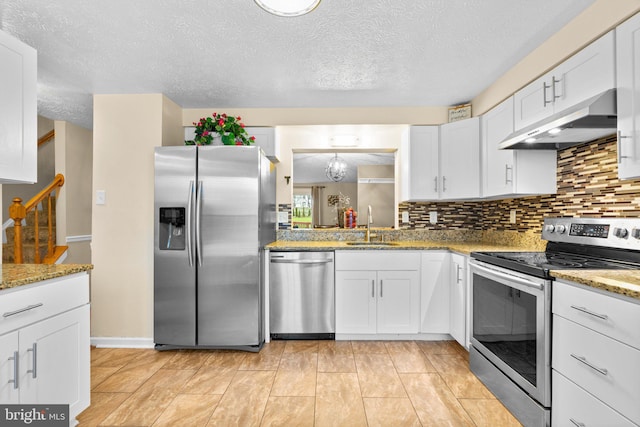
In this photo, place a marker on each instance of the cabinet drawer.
(604, 367)
(573, 406)
(31, 303)
(608, 315)
(377, 260)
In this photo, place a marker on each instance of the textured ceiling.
(230, 53)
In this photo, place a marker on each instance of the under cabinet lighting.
(288, 8)
(530, 140)
(555, 131)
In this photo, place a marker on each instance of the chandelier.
(336, 169)
(288, 7)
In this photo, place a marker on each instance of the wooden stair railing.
(18, 212)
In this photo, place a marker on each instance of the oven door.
(511, 315)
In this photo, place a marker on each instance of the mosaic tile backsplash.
(588, 186)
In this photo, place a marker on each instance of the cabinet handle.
(584, 360)
(435, 180)
(34, 351)
(592, 313)
(22, 310)
(373, 289)
(553, 88)
(508, 180)
(577, 423)
(380, 288)
(16, 373)
(444, 183)
(458, 268)
(544, 94)
(620, 138)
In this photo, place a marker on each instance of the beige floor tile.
(113, 357)
(289, 411)
(187, 359)
(296, 375)
(450, 363)
(102, 404)
(209, 380)
(144, 406)
(263, 361)
(338, 401)
(466, 385)
(225, 358)
(369, 347)
(244, 402)
(310, 346)
(334, 347)
(131, 376)
(330, 362)
(407, 357)
(377, 376)
(188, 410)
(433, 401)
(384, 411)
(438, 347)
(489, 413)
(274, 347)
(99, 374)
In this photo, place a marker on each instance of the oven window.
(504, 321)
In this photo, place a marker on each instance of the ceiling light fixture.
(336, 169)
(288, 8)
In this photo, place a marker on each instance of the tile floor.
(292, 383)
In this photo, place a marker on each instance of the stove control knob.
(635, 233)
(550, 228)
(622, 233)
(560, 228)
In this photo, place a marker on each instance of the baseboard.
(393, 337)
(122, 342)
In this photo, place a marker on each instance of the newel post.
(17, 212)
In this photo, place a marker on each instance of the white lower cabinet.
(593, 353)
(377, 292)
(458, 300)
(45, 357)
(434, 292)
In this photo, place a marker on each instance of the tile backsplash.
(588, 186)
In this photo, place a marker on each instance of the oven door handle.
(508, 277)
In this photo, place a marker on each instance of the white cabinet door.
(54, 363)
(9, 368)
(356, 302)
(585, 74)
(460, 159)
(266, 139)
(421, 160)
(458, 299)
(398, 309)
(434, 292)
(18, 111)
(628, 95)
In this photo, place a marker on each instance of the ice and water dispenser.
(172, 229)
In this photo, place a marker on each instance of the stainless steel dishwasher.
(301, 295)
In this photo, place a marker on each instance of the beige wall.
(126, 130)
(379, 196)
(74, 159)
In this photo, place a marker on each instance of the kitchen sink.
(371, 243)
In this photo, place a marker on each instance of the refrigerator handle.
(188, 221)
(198, 215)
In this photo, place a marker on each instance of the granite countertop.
(622, 282)
(14, 275)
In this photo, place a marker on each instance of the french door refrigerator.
(214, 212)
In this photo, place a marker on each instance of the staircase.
(28, 238)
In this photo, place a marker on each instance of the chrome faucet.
(367, 236)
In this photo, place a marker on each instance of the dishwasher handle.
(300, 261)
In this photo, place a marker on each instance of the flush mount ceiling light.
(288, 7)
(336, 169)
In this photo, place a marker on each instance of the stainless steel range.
(511, 306)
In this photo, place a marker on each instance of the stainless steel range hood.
(586, 121)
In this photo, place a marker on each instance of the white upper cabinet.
(628, 94)
(512, 172)
(18, 111)
(460, 159)
(266, 139)
(420, 158)
(585, 74)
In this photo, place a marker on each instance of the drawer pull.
(16, 373)
(576, 423)
(34, 350)
(584, 360)
(586, 310)
(22, 310)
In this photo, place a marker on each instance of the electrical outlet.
(433, 217)
(283, 217)
(512, 216)
(405, 216)
(101, 197)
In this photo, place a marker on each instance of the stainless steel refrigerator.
(214, 212)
